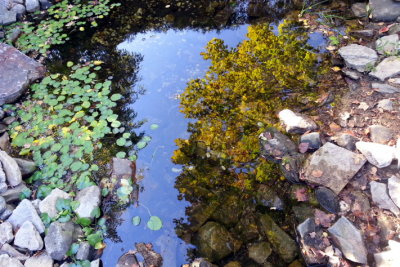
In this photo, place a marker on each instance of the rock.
(390, 257)
(351, 74)
(58, 239)
(345, 140)
(259, 252)
(9, 120)
(267, 197)
(275, 145)
(42, 260)
(359, 9)
(303, 211)
(349, 239)
(385, 105)
(388, 67)
(246, 229)
(84, 251)
(36, 203)
(366, 33)
(394, 190)
(151, 258)
(44, 4)
(388, 45)
(19, 10)
(12, 252)
(95, 263)
(312, 139)
(3, 183)
(25, 211)
(361, 201)
(7, 212)
(13, 194)
(48, 205)
(200, 262)
(17, 71)
(26, 166)
(229, 211)
(381, 198)
(28, 237)
(6, 16)
(358, 57)
(89, 199)
(10, 168)
(332, 166)
(6, 233)
(233, 264)
(122, 168)
(306, 227)
(6, 261)
(296, 123)
(385, 88)
(2, 204)
(5, 142)
(281, 242)
(215, 242)
(327, 199)
(198, 214)
(3, 128)
(377, 154)
(32, 5)
(128, 259)
(384, 10)
(380, 134)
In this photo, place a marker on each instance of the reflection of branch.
(148, 210)
(154, 153)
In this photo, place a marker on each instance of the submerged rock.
(267, 197)
(332, 166)
(358, 57)
(381, 197)
(151, 258)
(377, 154)
(349, 239)
(127, 260)
(229, 211)
(259, 252)
(389, 67)
(296, 123)
(25, 211)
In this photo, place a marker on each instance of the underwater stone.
(259, 252)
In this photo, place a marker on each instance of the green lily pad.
(154, 126)
(154, 223)
(136, 220)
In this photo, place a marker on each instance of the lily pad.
(154, 126)
(154, 223)
(136, 220)
(141, 144)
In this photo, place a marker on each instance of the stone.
(48, 205)
(44, 4)
(9, 120)
(6, 233)
(388, 45)
(390, 257)
(384, 10)
(385, 105)
(387, 68)
(2, 204)
(215, 242)
(351, 74)
(17, 72)
(151, 258)
(58, 239)
(381, 198)
(36, 203)
(7, 212)
(233, 264)
(345, 140)
(267, 197)
(89, 199)
(296, 123)
(200, 262)
(13, 194)
(378, 155)
(327, 199)
(349, 239)
(366, 33)
(3, 181)
(7, 261)
(275, 145)
(385, 88)
(259, 252)
(229, 210)
(5, 142)
(25, 211)
(41, 260)
(122, 168)
(95, 263)
(84, 251)
(26, 166)
(246, 229)
(380, 134)
(312, 139)
(28, 237)
(10, 250)
(127, 259)
(306, 227)
(394, 189)
(332, 166)
(11, 169)
(358, 57)
(3, 128)
(359, 9)
(32, 5)
(19, 10)
(303, 211)
(6, 16)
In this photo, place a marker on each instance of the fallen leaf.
(301, 194)
(317, 173)
(334, 127)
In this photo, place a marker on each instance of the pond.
(152, 50)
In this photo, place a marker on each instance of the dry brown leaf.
(317, 173)
(301, 194)
(322, 218)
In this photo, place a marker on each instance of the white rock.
(389, 258)
(380, 196)
(25, 211)
(388, 44)
(385, 88)
(394, 190)
(28, 237)
(6, 233)
(48, 205)
(377, 154)
(10, 250)
(358, 57)
(11, 169)
(389, 67)
(6, 261)
(42, 260)
(296, 123)
(385, 105)
(89, 199)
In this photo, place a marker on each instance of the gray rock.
(6, 233)
(327, 199)
(259, 252)
(127, 259)
(122, 168)
(388, 45)
(394, 189)
(347, 141)
(89, 199)
(384, 10)
(2, 204)
(9, 120)
(26, 166)
(385, 104)
(306, 227)
(17, 71)
(44, 4)
(36, 203)
(359, 9)
(11, 169)
(385, 88)
(5, 142)
(84, 251)
(267, 197)
(275, 145)
(25, 211)
(296, 123)
(390, 257)
(19, 10)
(28, 237)
(32, 5)
(41, 260)
(349, 239)
(395, 28)
(7, 261)
(387, 68)
(380, 134)
(332, 166)
(3, 128)
(7, 212)
(12, 252)
(3, 181)
(58, 239)
(48, 205)
(352, 74)
(367, 33)
(312, 139)
(6, 16)
(281, 242)
(13, 194)
(381, 198)
(377, 154)
(358, 57)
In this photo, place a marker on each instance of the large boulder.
(25, 211)
(296, 123)
(10, 166)
(358, 57)
(58, 239)
(332, 166)
(48, 205)
(89, 199)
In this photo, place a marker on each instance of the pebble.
(385, 104)
(381, 198)
(358, 57)
(327, 199)
(380, 134)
